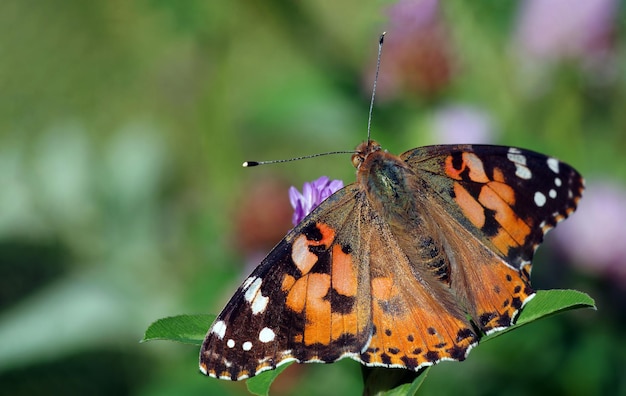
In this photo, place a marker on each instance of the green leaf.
(188, 329)
(409, 389)
(381, 381)
(260, 384)
(547, 303)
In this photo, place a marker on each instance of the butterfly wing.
(502, 202)
(415, 321)
(302, 303)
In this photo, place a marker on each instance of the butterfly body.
(406, 267)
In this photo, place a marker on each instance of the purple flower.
(414, 14)
(594, 238)
(312, 195)
(551, 30)
(454, 124)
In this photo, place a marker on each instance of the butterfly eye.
(357, 160)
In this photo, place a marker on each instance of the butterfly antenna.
(249, 164)
(369, 118)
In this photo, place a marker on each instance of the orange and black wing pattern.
(405, 268)
(301, 304)
(494, 205)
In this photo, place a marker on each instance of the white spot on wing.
(252, 289)
(219, 329)
(552, 193)
(266, 335)
(259, 303)
(247, 282)
(553, 164)
(557, 182)
(540, 199)
(246, 346)
(230, 343)
(254, 296)
(521, 170)
(516, 157)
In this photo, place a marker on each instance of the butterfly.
(406, 267)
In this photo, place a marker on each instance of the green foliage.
(260, 384)
(188, 329)
(409, 389)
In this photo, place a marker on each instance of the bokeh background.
(123, 125)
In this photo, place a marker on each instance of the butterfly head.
(363, 150)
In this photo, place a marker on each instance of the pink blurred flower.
(262, 217)
(312, 195)
(416, 53)
(551, 30)
(595, 237)
(454, 124)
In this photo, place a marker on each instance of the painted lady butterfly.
(388, 270)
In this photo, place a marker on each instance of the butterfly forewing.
(508, 197)
(300, 304)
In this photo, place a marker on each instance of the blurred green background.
(123, 125)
